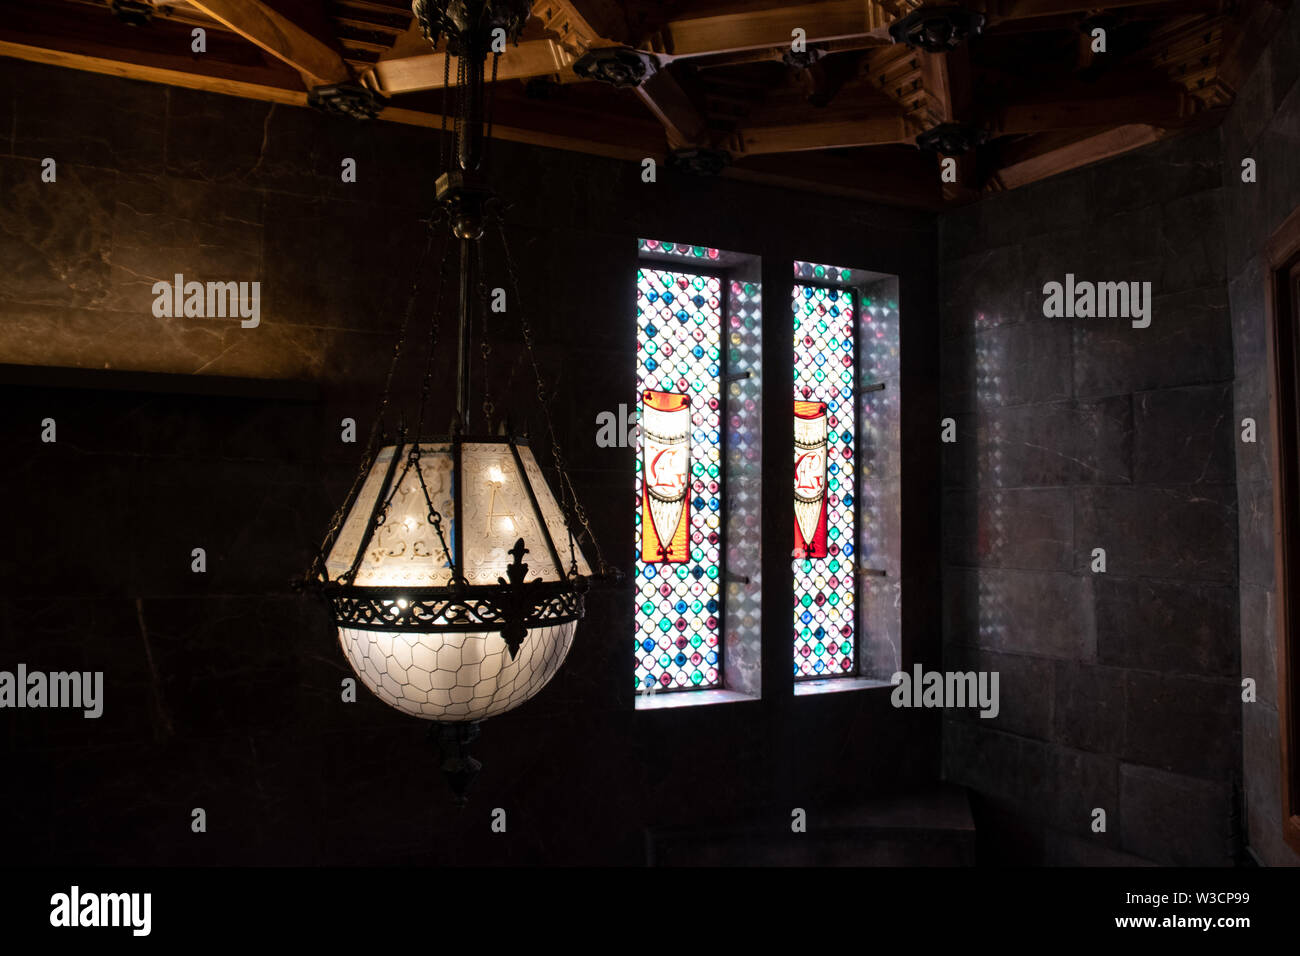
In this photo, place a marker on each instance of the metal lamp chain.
(462, 104)
(485, 347)
(435, 519)
(372, 442)
(565, 482)
(492, 98)
(426, 383)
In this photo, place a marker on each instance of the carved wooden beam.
(582, 24)
(750, 29)
(826, 134)
(426, 71)
(259, 23)
(1163, 108)
(211, 76)
(91, 39)
(946, 79)
(1051, 153)
(671, 103)
(1001, 10)
(758, 26)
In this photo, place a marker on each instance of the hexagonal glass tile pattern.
(455, 676)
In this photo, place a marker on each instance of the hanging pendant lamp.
(454, 574)
(455, 626)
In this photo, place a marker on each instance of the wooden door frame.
(1282, 259)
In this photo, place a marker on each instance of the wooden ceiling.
(846, 123)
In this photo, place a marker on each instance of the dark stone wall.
(223, 689)
(1264, 125)
(1119, 689)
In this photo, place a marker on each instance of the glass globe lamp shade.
(420, 642)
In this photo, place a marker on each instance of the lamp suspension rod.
(463, 360)
(471, 138)
(469, 157)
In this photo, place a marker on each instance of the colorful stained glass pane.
(679, 379)
(705, 254)
(822, 273)
(825, 578)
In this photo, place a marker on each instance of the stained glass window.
(825, 449)
(679, 474)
